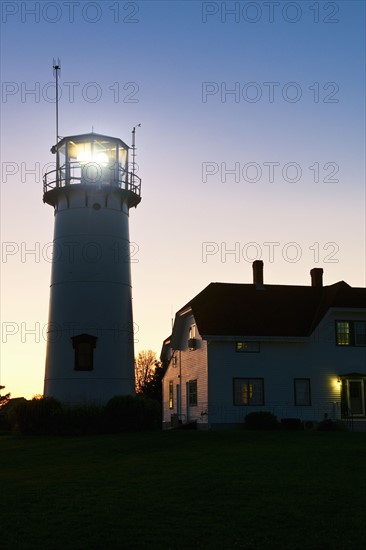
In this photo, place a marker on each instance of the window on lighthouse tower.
(84, 345)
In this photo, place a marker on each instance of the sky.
(251, 146)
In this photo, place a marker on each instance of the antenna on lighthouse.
(134, 151)
(56, 69)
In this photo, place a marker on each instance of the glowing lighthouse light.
(90, 354)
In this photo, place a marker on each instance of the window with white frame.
(351, 333)
(302, 391)
(247, 347)
(192, 331)
(360, 333)
(248, 391)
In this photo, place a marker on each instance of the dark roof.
(226, 309)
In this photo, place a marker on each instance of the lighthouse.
(90, 352)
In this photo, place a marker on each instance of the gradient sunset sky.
(252, 140)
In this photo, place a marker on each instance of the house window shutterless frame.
(192, 393)
(247, 347)
(302, 393)
(359, 330)
(171, 394)
(350, 333)
(248, 391)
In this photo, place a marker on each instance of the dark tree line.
(4, 398)
(149, 373)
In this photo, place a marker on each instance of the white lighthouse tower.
(90, 353)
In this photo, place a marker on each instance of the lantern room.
(91, 160)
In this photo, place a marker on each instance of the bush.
(328, 425)
(261, 420)
(46, 416)
(36, 417)
(82, 420)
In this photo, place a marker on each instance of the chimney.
(258, 272)
(316, 276)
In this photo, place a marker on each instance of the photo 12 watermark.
(25, 332)
(269, 92)
(269, 172)
(70, 92)
(25, 172)
(270, 12)
(269, 251)
(71, 252)
(72, 12)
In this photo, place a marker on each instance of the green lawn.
(184, 489)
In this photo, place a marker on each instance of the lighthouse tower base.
(87, 392)
(90, 348)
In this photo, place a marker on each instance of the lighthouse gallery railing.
(74, 173)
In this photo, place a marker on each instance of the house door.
(356, 398)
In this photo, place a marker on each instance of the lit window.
(351, 333)
(84, 345)
(302, 391)
(192, 393)
(343, 333)
(248, 347)
(171, 395)
(248, 391)
(192, 331)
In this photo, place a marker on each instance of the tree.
(4, 398)
(145, 365)
(153, 388)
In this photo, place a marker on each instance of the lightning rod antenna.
(134, 151)
(56, 69)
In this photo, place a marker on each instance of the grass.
(184, 489)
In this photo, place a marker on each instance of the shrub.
(83, 420)
(261, 420)
(46, 416)
(36, 417)
(7, 412)
(328, 425)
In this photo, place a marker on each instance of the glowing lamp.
(92, 159)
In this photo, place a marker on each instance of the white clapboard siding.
(187, 365)
(216, 363)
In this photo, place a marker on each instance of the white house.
(295, 351)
